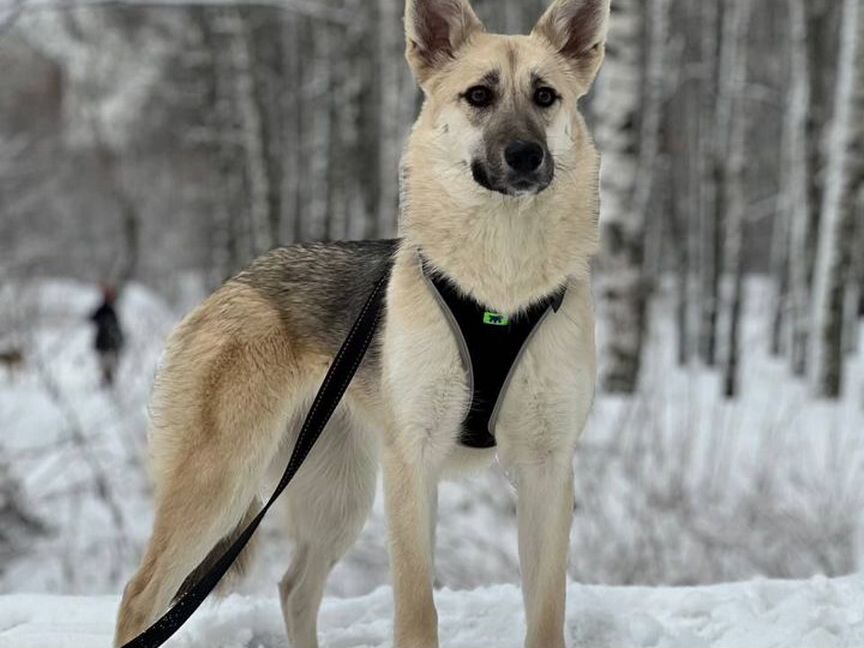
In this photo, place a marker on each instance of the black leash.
(330, 393)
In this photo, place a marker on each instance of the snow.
(818, 613)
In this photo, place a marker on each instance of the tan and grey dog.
(500, 191)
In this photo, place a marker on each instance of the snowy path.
(819, 613)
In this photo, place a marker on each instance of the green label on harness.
(495, 319)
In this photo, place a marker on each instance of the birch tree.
(836, 231)
(712, 125)
(266, 46)
(233, 24)
(399, 103)
(791, 227)
(735, 61)
(617, 104)
(854, 203)
(854, 307)
(816, 35)
(683, 130)
(795, 184)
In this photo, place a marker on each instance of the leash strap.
(330, 393)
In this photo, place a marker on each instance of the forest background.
(160, 145)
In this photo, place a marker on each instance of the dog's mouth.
(481, 176)
(514, 185)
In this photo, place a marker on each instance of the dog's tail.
(240, 567)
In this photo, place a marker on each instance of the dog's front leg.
(545, 511)
(410, 492)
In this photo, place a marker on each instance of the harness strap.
(330, 393)
(491, 345)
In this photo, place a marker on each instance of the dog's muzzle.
(526, 168)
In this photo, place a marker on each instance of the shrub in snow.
(18, 525)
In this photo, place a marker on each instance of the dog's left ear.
(577, 29)
(434, 31)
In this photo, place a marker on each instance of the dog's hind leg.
(301, 592)
(219, 412)
(326, 507)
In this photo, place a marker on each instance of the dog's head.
(501, 112)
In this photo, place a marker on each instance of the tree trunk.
(710, 160)
(270, 79)
(736, 49)
(820, 51)
(126, 266)
(389, 123)
(228, 237)
(682, 134)
(854, 203)
(793, 218)
(780, 275)
(339, 104)
(251, 128)
(796, 183)
(295, 160)
(678, 239)
(836, 232)
(855, 290)
(618, 104)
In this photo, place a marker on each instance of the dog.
(500, 194)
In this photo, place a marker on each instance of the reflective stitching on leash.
(350, 375)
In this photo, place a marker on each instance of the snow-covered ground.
(819, 613)
(674, 486)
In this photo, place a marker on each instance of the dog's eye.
(479, 96)
(545, 97)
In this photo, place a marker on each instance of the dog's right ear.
(434, 32)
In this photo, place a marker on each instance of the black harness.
(491, 345)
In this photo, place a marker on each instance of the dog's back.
(318, 288)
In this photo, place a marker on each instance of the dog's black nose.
(524, 157)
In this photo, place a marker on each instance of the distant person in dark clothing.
(109, 335)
